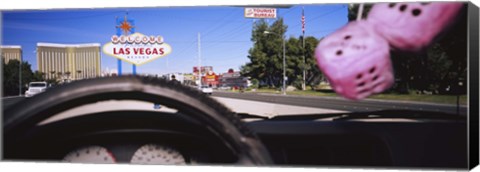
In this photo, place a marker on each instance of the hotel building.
(67, 62)
(11, 52)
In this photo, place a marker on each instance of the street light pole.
(284, 91)
(199, 62)
(284, 74)
(20, 77)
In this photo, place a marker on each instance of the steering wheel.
(23, 117)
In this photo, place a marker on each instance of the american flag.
(303, 21)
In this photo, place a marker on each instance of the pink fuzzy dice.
(412, 26)
(356, 61)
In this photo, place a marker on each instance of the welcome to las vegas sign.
(137, 48)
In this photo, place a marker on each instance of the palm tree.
(53, 74)
(78, 73)
(68, 74)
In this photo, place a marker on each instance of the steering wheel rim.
(26, 115)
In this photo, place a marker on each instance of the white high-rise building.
(69, 61)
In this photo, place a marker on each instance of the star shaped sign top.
(126, 26)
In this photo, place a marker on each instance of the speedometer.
(90, 154)
(157, 154)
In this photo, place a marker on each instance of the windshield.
(38, 85)
(256, 62)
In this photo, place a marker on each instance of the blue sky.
(225, 33)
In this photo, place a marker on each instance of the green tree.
(266, 55)
(38, 76)
(254, 83)
(11, 77)
(438, 68)
(313, 74)
(296, 64)
(353, 11)
(454, 44)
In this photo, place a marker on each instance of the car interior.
(382, 91)
(190, 136)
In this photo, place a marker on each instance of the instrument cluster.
(145, 154)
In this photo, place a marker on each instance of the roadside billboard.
(260, 13)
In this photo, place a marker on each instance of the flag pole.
(303, 44)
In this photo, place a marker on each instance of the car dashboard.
(148, 137)
(425, 144)
(122, 133)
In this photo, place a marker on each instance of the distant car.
(225, 88)
(35, 88)
(206, 89)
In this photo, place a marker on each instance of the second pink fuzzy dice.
(412, 26)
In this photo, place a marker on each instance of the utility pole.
(284, 64)
(168, 70)
(20, 75)
(199, 62)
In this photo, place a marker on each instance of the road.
(272, 104)
(341, 104)
(9, 101)
(270, 109)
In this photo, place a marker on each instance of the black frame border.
(473, 62)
